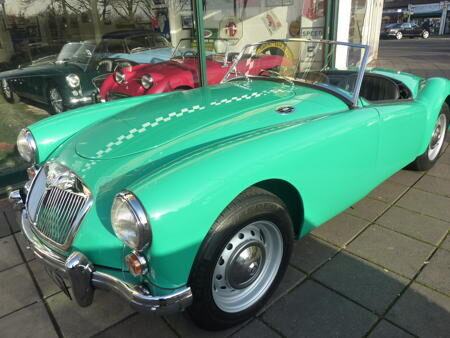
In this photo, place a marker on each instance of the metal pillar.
(197, 6)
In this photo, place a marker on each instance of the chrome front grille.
(56, 205)
(57, 213)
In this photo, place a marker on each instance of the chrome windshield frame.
(352, 98)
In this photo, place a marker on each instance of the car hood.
(181, 119)
(148, 56)
(48, 69)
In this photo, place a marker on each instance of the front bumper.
(80, 101)
(84, 279)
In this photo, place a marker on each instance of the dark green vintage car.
(57, 86)
(192, 199)
(73, 79)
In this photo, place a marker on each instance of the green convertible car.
(191, 200)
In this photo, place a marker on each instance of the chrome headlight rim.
(143, 227)
(119, 77)
(147, 81)
(26, 134)
(73, 81)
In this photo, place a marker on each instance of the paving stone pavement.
(379, 269)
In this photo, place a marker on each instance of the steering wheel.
(269, 71)
(316, 77)
(138, 49)
(106, 64)
(189, 53)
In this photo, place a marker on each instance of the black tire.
(254, 206)
(53, 107)
(431, 155)
(7, 92)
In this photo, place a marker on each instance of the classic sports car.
(137, 45)
(179, 73)
(192, 199)
(400, 30)
(80, 68)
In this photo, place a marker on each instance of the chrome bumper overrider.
(84, 279)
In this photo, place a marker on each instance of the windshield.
(216, 49)
(330, 65)
(76, 52)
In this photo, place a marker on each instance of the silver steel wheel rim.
(6, 88)
(247, 266)
(56, 100)
(437, 139)
(399, 35)
(425, 34)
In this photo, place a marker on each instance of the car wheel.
(436, 145)
(7, 92)
(399, 35)
(55, 100)
(241, 261)
(425, 34)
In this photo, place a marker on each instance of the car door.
(401, 134)
(406, 29)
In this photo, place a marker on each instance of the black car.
(400, 30)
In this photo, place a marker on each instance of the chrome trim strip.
(138, 296)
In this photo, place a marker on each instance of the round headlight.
(26, 145)
(73, 80)
(119, 77)
(129, 221)
(147, 81)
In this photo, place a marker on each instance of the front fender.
(51, 132)
(432, 94)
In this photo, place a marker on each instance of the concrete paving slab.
(291, 279)
(256, 329)
(440, 170)
(309, 253)
(368, 209)
(446, 243)
(426, 203)
(32, 321)
(47, 286)
(4, 227)
(139, 325)
(312, 310)
(436, 273)
(11, 215)
(406, 177)
(411, 223)
(388, 192)
(340, 229)
(434, 184)
(75, 321)
(384, 329)
(17, 290)
(422, 312)
(185, 327)
(391, 250)
(9, 253)
(24, 247)
(365, 283)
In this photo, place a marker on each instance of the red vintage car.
(181, 71)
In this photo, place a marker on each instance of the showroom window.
(59, 55)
